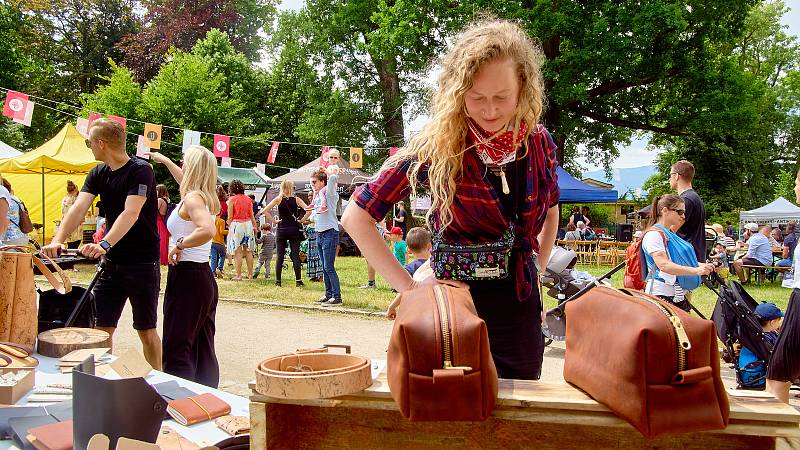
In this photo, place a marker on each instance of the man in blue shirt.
(327, 226)
(759, 252)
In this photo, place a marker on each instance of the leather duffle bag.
(647, 360)
(18, 313)
(439, 365)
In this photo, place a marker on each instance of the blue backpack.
(680, 252)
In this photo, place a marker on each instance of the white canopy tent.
(779, 212)
(7, 151)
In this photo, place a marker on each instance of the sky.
(634, 155)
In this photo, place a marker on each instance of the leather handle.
(692, 376)
(62, 287)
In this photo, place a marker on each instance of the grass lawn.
(353, 273)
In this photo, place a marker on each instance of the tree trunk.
(550, 119)
(392, 101)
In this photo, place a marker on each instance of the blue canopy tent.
(574, 190)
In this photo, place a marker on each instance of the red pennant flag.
(273, 152)
(393, 150)
(121, 120)
(323, 157)
(222, 145)
(92, 117)
(16, 105)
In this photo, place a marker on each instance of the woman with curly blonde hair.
(490, 168)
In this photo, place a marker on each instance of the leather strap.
(303, 375)
(62, 287)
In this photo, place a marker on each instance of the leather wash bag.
(647, 360)
(439, 364)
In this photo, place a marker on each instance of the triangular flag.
(260, 168)
(141, 148)
(152, 134)
(226, 162)
(26, 120)
(92, 117)
(273, 152)
(16, 105)
(119, 119)
(356, 155)
(222, 145)
(323, 157)
(190, 138)
(392, 151)
(82, 125)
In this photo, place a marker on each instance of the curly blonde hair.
(200, 176)
(441, 144)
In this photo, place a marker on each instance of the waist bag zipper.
(444, 327)
(681, 338)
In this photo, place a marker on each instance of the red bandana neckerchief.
(500, 149)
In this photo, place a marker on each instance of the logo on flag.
(226, 162)
(222, 145)
(190, 138)
(273, 152)
(16, 105)
(141, 148)
(28, 113)
(356, 156)
(152, 134)
(323, 157)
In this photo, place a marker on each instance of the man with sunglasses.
(130, 248)
(693, 229)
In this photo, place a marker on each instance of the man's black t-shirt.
(694, 229)
(140, 243)
(401, 214)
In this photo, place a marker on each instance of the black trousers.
(294, 245)
(190, 305)
(784, 364)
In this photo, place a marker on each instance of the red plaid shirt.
(477, 212)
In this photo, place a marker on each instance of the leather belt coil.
(315, 373)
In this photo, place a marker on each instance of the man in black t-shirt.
(693, 229)
(400, 216)
(130, 248)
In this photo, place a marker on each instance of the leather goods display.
(128, 407)
(314, 373)
(55, 436)
(197, 408)
(16, 356)
(20, 426)
(18, 316)
(233, 425)
(647, 360)
(439, 364)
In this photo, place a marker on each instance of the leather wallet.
(197, 408)
(16, 411)
(233, 425)
(21, 425)
(56, 436)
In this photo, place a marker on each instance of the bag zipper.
(681, 338)
(444, 328)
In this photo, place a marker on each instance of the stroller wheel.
(547, 340)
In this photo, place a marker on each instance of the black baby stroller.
(737, 323)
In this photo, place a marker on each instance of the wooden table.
(529, 414)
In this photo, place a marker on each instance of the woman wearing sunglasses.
(667, 216)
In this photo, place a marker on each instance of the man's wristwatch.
(104, 244)
(179, 244)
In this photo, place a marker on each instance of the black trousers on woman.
(514, 326)
(190, 306)
(294, 244)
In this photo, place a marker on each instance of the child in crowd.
(399, 245)
(218, 246)
(719, 254)
(332, 169)
(267, 242)
(419, 244)
(770, 318)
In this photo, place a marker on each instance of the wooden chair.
(622, 247)
(606, 253)
(587, 252)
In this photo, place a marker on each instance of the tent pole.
(44, 228)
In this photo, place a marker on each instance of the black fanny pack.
(464, 262)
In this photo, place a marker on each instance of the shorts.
(784, 364)
(119, 282)
(241, 233)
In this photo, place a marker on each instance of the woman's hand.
(157, 157)
(174, 256)
(705, 269)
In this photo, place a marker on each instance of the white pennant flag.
(260, 168)
(28, 114)
(142, 149)
(226, 162)
(82, 125)
(190, 138)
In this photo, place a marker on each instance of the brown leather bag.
(18, 314)
(439, 365)
(647, 360)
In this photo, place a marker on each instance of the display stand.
(529, 414)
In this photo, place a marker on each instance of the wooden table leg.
(258, 426)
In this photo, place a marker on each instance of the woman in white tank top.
(190, 297)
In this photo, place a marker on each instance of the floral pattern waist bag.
(465, 262)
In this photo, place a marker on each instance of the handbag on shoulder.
(439, 364)
(647, 360)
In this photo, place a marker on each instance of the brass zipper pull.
(449, 365)
(504, 182)
(683, 338)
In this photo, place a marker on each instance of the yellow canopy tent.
(39, 177)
